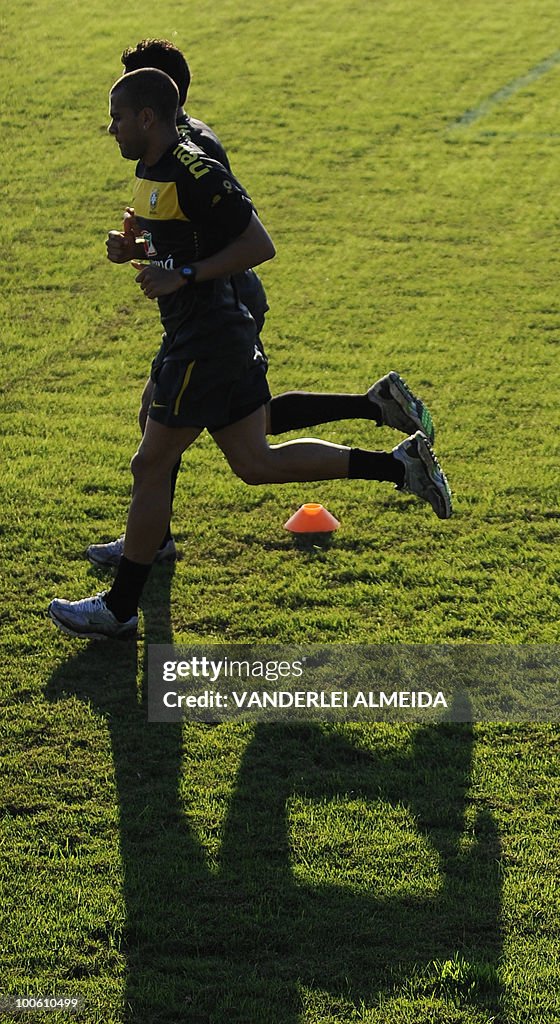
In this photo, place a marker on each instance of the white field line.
(504, 94)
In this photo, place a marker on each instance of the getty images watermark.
(382, 682)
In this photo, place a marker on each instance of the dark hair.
(150, 87)
(160, 53)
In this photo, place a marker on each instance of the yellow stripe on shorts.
(184, 387)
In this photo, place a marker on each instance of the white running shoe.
(90, 619)
(110, 554)
(399, 407)
(423, 474)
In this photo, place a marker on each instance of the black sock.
(124, 595)
(174, 475)
(365, 465)
(296, 409)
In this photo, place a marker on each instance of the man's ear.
(146, 118)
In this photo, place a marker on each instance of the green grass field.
(404, 157)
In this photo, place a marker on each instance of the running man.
(388, 402)
(200, 229)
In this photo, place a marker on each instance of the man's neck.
(159, 145)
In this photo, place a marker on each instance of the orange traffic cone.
(312, 518)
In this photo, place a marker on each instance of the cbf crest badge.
(154, 196)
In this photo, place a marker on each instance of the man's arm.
(251, 248)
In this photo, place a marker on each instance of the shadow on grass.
(249, 942)
(353, 945)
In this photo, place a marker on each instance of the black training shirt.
(188, 207)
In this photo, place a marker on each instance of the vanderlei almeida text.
(321, 699)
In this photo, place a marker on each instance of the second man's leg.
(389, 402)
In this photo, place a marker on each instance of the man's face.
(127, 127)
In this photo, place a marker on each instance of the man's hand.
(130, 224)
(155, 281)
(121, 247)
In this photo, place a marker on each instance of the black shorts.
(208, 392)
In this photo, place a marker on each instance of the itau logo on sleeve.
(148, 244)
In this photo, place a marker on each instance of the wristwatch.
(188, 273)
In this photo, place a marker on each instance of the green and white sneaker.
(90, 619)
(399, 407)
(423, 475)
(109, 555)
